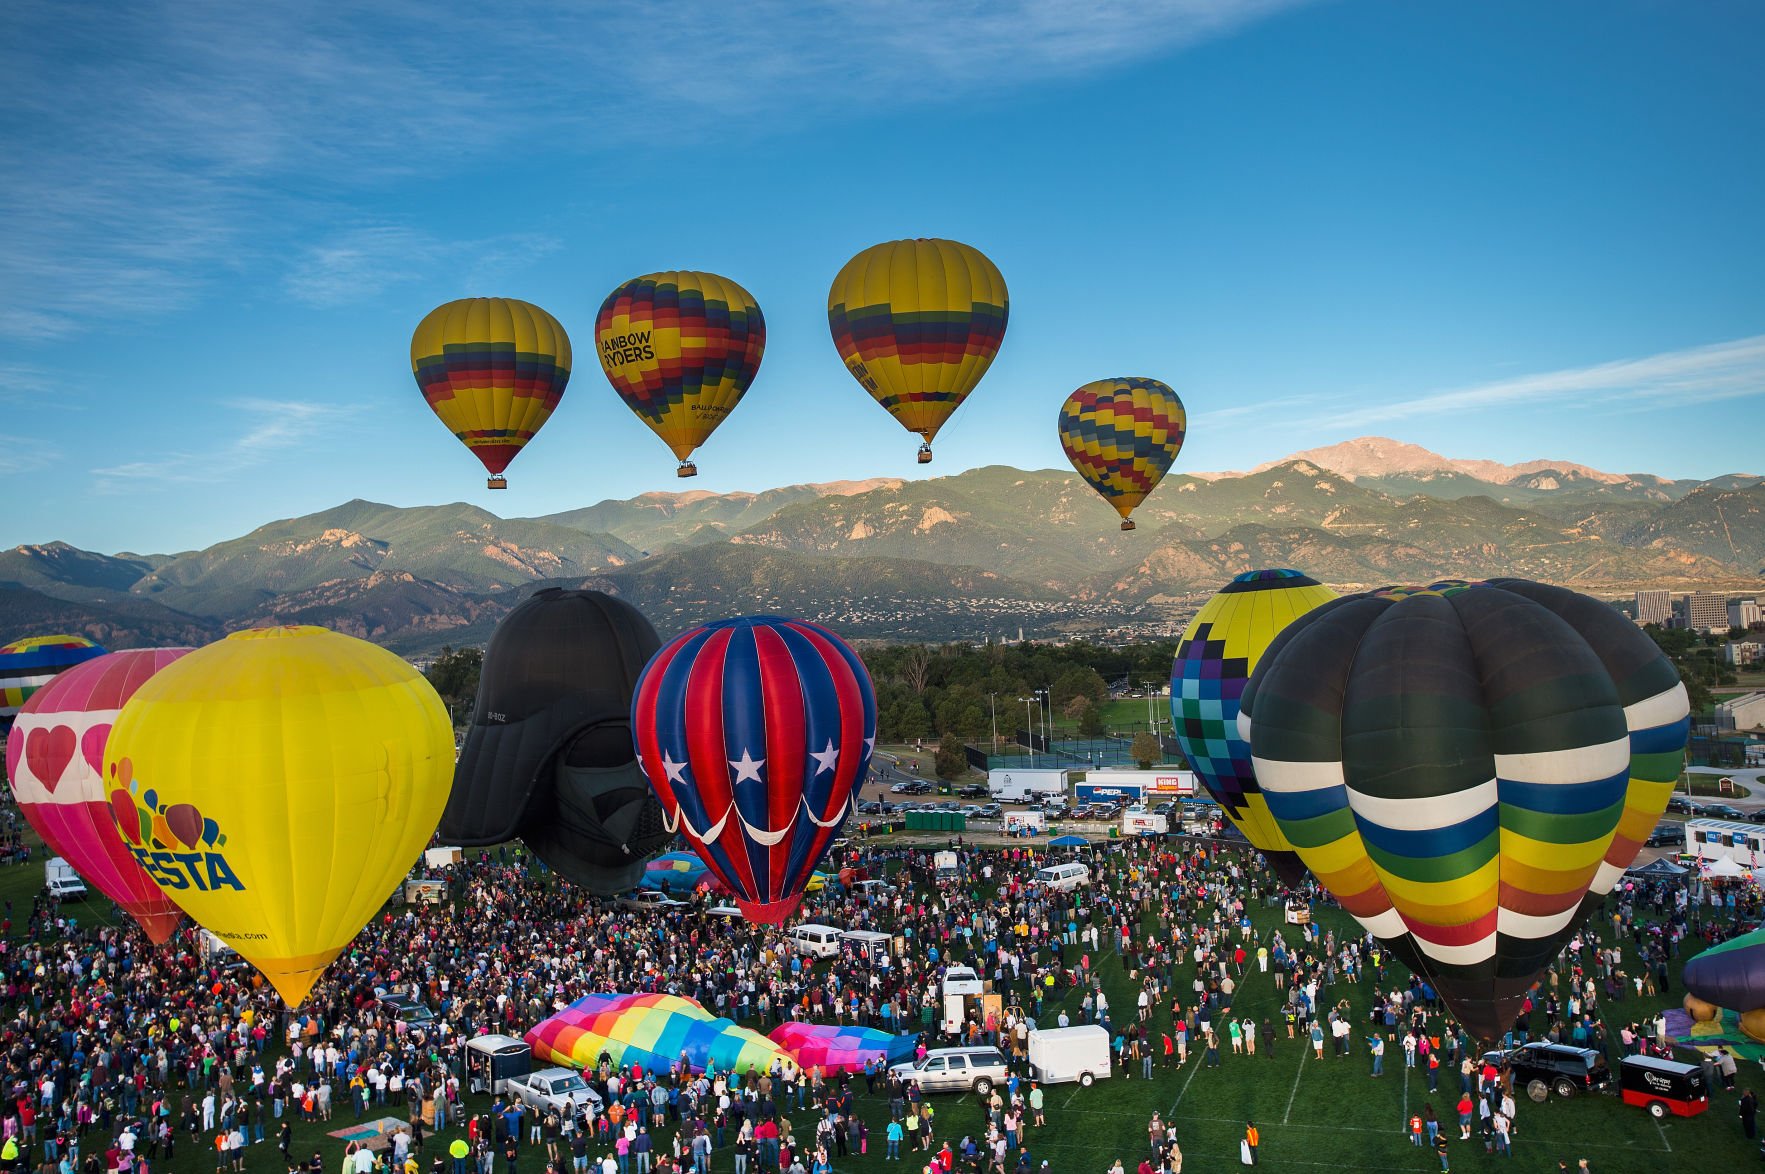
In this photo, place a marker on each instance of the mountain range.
(987, 552)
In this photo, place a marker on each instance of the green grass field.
(1313, 1114)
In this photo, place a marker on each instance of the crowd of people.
(118, 1053)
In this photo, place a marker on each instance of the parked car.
(1667, 834)
(1684, 805)
(554, 1090)
(972, 810)
(1722, 811)
(974, 791)
(870, 807)
(974, 1070)
(992, 811)
(649, 899)
(1168, 807)
(407, 1009)
(1543, 1068)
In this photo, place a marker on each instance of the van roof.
(815, 925)
(495, 1042)
(1659, 1065)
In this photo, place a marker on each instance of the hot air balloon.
(756, 733)
(841, 1050)
(493, 370)
(680, 349)
(1122, 436)
(278, 785)
(549, 755)
(29, 664)
(1214, 661)
(918, 323)
(652, 1031)
(55, 759)
(1462, 766)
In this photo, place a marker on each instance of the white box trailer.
(61, 880)
(1027, 785)
(1155, 785)
(493, 1060)
(1025, 822)
(443, 857)
(1711, 840)
(1137, 821)
(1060, 1055)
(947, 864)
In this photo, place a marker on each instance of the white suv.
(956, 1070)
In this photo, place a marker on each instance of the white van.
(961, 980)
(1063, 1054)
(1063, 878)
(818, 941)
(493, 1060)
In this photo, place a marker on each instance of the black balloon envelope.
(549, 757)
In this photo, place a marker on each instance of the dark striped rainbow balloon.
(1468, 768)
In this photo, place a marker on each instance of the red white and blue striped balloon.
(756, 734)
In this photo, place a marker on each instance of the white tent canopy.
(1725, 869)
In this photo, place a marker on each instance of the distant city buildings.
(1700, 611)
(1743, 654)
(1706, 612)
(1654, 607)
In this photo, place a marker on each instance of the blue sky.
(1501, 230)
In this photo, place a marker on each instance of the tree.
(1075, 709)
(1091, 720)
(1145, 750)
(916, 667)
(952, 759)
(454, 674)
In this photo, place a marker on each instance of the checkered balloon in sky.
(1213, 662)
(756, 734)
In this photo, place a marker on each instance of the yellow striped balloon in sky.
(278, 785)
(681, 350)
(918, 323)
(493, 370)
(1123, 435)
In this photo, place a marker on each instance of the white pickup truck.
(554, 1090)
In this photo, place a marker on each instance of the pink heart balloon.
(48, 751)
(92, 746)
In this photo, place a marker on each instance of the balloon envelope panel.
(55, 761)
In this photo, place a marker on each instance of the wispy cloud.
(1719, 371)
(151, 145)
(269, 427)
(357, 265)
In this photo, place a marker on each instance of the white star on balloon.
(747, 767)
(870, 744)
(825, 759)
(676, 770)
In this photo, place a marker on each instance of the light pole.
(1029, 728)
(993, 701)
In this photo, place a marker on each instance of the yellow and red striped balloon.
(493, 370)
(918, 323)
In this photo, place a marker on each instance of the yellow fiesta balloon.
(278, 786)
